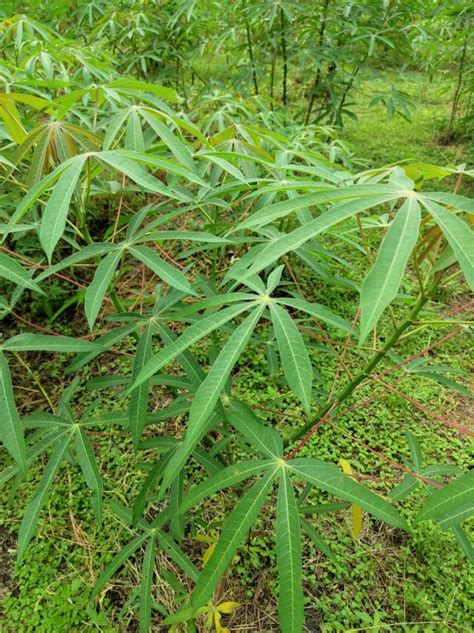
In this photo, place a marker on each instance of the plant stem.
(284, 55)
(251, 56)
(317, 78)
(366, 371)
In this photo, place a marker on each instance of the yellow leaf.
(356, 510)
(208, 553)
(228, 607)
(12, 119)
(217, 623)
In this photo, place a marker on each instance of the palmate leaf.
(165, 271)
(95, 293)
(328, 477)
(288, 552)
(209, 391)
(383, 281)
(445, 502)
(10, 269)
(11, 431)
(459, 235)
(294, 355)
(53, 221)
(292, 241)
(258, 435)
(31, 516)
(234, 530)
(191, 335)
(47, 343)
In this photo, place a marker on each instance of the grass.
(382, 140)
(390, 581)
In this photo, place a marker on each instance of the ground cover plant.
(208, 301)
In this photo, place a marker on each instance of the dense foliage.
(176, 225)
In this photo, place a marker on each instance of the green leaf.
(46, 343)
(134, 135)
(177, 525)
(191, 335)
(294, 356)
(11, 431)
(464, 543)
(51, 436)
(87, 461)
(118, 560)
(153, 477)
(223, 479)
(446, 501)
(225, 165)
(209, 391)
(235, 527)
(165, 271)
(42, 419)
(95, 293)
(176, 554)
(288, 553)
(328, 477)
(319, 311)
(383, 281)
(11, 270)
(126, 85)
(88, 252)
(102, 343)
(459, 235)
(35, 192)
(318, 541)
(177, 148)
(330, 194)
(146, 583)
(415, 450)
(138, 406)
(292, 241)
(31, 516)
(53, 221)
(118, 161)
(462, 513)
(259, 435)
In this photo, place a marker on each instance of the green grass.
(382, 140)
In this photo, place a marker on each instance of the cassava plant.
(113, 187)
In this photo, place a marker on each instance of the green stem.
(367, 370)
